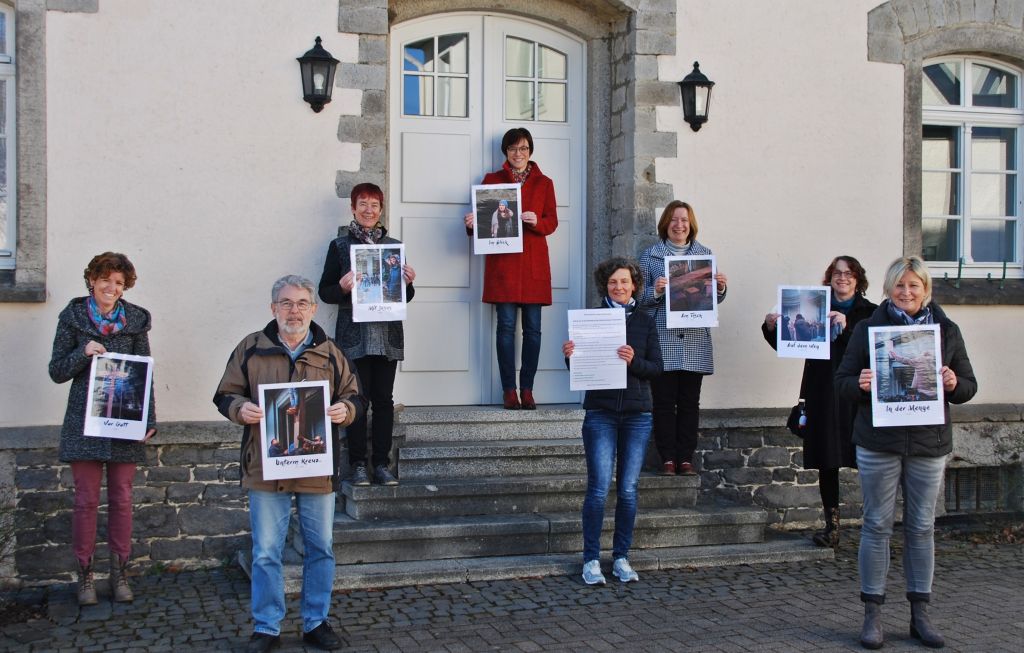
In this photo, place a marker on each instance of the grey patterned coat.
(69, 363)
(681, 349)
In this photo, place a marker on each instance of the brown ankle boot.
(86, 585)
(829, 536)
(119, 586)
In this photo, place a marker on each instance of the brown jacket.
(261, 358)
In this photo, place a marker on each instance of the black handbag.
(797, 420)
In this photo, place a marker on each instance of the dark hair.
(515, 135)
(666, 218)
(855, 267)
(105, 264)
(605, 269)
(366, 189)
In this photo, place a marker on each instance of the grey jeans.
(920, 478)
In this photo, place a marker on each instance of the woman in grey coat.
(96, 324)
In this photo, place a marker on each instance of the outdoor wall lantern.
(317, 67)
(696, 91)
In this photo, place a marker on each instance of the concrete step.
(779, 547)
(357, 542)
(476, 459)
(438, 424)
(418, 499)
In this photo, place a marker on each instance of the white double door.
(458, 83)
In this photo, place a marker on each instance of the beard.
(299, 329)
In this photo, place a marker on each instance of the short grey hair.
(901, 266)
(296, 281)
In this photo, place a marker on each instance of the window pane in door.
(518, 57)
(453, 53)
(941, 84)
(551, 102)
(419, 56)
(993, 148)
(940, 193)
(992, 241)
(418, 95)
(518, 100)
(992, 194)
(993, 87)
(452, 98)
(550, 63)
(940, 147)
(939, 239)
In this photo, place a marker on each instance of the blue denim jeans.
(269, 513)
(612, 442)
(920, 478)
(506, 344)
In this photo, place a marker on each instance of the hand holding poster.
(295, 431)
(597, 334)
(378, 293)
(802, 330)
(498, 223)
(906, 382)
(119, 389)
(691, 295)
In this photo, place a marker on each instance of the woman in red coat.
(521, 281)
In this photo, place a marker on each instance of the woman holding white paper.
(96, 324)
(911, 457)
(688, 353)
(617, 425)
(826, 436)
(374, 347)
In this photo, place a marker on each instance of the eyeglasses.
(521, 150)
(287, 305)
(848, 274)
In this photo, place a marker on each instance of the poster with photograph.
(691, 295)
(803, 329)
(295, 432)
(379, 291)
(498, 223)
(119, 387)
(906, 386)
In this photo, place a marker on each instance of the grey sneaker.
(592, 573)
(381, 476)
(359, 476)
(623, 571)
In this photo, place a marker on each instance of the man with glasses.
(290, 348)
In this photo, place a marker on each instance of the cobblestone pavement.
(978, 604)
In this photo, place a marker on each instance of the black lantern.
(696, 91)
(317, 67)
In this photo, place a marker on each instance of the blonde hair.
(901, 266)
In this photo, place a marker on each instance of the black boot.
(829, 536)
(921, 626)
(871, 636)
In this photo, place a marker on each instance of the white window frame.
(7, 74)
(965, 118)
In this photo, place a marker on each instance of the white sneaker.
(623, 571)
(592, 573)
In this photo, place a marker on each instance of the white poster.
(597, 334)
(691, 296)
(906, 385)
(379, 291)
(119, 387)
(802, 330)
(498, 223)
(295, 432)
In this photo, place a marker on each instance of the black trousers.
(676, 396)
(377, 381)
(828, 487)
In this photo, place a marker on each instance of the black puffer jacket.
(931, 440)
(642, 336)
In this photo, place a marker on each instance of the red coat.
(524, 278)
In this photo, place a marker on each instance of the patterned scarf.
(520, 177)
(368, 236)
(901, 317)
(611, 303)
(107, 324)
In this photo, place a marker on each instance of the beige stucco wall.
(177, 134)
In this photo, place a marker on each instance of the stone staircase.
(487, 493)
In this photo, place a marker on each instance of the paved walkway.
(979, 605)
